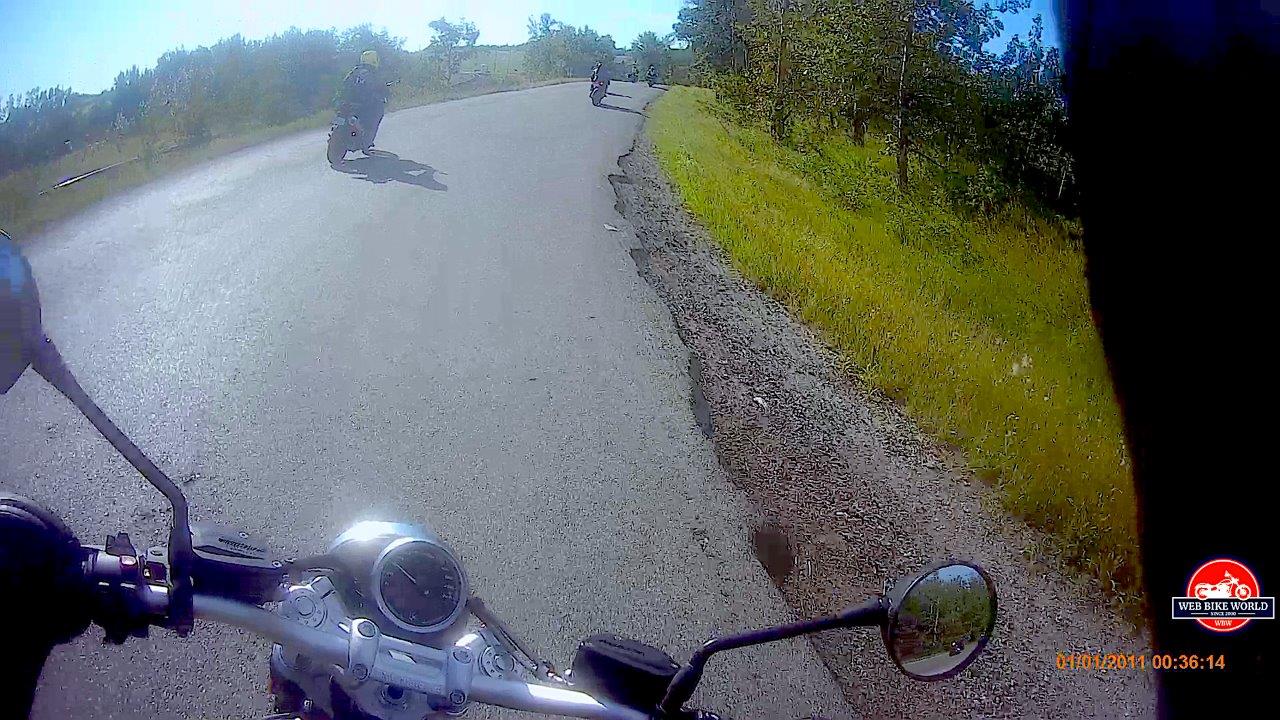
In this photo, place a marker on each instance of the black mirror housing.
(939, 621)
(20, 325)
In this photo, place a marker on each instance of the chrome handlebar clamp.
(384, 676)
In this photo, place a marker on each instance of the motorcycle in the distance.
(599, 90)
(385, 624)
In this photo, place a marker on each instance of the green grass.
(979, 327)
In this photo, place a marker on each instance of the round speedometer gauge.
(420, 585)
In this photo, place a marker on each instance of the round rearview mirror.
(940, 620)
(20, 330)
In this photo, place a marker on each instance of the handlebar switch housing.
(120, 579)
(232, 564)
(623, 670)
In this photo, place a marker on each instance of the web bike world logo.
(1223, 595)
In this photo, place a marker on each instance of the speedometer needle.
(406, 573)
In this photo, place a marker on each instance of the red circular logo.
(1218, 580)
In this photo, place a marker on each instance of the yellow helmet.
(369, 57)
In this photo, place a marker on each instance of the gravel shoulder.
(846, 491)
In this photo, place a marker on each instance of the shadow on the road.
(381, 167)
(619, 108)
(618, 95)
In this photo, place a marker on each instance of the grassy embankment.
(23, 210)
(979, 327)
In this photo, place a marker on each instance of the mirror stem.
(871, 612)
(49, 363)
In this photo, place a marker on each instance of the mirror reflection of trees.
(946, 613)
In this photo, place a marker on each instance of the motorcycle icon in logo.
(1227, 587)
(1223, 595)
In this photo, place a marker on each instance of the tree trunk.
(779, 119)
(858, 128)
(902, 99)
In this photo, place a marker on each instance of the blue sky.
(84, 43)
(1019, 25)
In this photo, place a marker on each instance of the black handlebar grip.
(43, 593)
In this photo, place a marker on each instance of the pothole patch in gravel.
(851, 492)
(701, 408)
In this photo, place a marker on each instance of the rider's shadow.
(384, 167)
(619, 108)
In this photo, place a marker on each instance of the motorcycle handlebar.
(148, 603)
(331, 650)
(320, 646)
(547, 699)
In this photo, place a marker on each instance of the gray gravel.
(453, 337)
(860, 494)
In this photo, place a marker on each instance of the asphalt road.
(450, 336)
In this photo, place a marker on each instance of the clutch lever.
(542, 668)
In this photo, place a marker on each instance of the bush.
(981, 191)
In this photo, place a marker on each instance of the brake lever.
(49, 363)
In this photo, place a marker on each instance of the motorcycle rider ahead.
(364, 93)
